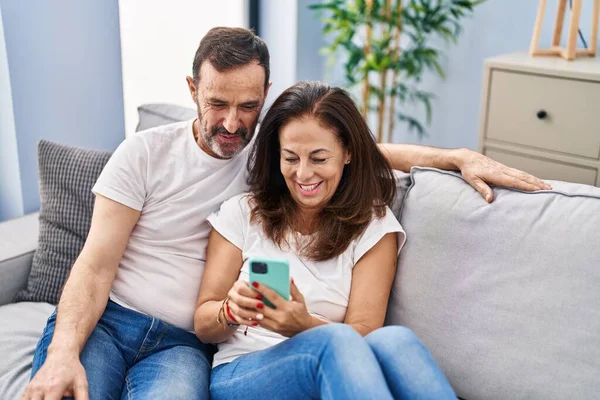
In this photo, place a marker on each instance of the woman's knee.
(393, 337)
(334, 336)
(335, 332)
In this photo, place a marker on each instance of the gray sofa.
(506, 296)
(21, 324)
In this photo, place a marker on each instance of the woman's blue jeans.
(334, 362)
(133, 356)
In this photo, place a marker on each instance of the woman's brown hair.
(367, 185)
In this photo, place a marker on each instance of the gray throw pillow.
(505, 295)
(66, 176)
(152, 115)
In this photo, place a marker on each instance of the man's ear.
(192, 88)
(267, 90)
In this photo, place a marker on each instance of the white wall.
(64, 63)
(279, 29)
(11, 199)
(158, 43)
(310, 64)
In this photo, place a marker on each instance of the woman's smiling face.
(312, 162)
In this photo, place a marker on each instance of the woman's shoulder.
(384, 213)
(242, 198)
(234, 211)
(240, 201)
(382, 221)
(381, 224)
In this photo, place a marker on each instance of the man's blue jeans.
(133, 356)
(334, 362)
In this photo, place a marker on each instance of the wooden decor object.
(571, 51)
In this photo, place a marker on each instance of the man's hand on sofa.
(480, 171)
(476, 168)
(61, 375)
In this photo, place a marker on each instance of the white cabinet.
(542, 115)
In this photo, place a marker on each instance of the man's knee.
(41, 350)
(177, 390)
(104, 365)
(180, 372)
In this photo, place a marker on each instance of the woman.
(319, 197)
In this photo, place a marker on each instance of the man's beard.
(224, 150)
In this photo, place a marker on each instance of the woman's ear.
(348, 158)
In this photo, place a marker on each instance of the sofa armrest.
(18, 241)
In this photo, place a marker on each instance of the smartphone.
(273, 273)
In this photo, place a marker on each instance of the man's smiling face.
(229, 104)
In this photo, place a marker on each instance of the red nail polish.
(260, 305)
(259, 297)
(255, 323)
(255, 284)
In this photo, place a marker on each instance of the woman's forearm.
(317, 322)
(210, 324)
(362, 329)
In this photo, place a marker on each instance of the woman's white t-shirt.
(324, 285)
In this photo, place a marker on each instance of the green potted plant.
(387, 47)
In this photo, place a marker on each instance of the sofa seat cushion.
(21, 326)
(505, 295)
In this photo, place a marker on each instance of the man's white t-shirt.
(324, 285)
(164, 174)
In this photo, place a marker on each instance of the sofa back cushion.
(505, 295)
(157, 114)
(66, 175)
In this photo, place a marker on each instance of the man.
(146, 245)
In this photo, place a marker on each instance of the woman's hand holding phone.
(244, 306)
(288, 318)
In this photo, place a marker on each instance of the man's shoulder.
(158, 138)
(174, 129)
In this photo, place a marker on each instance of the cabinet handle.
(542, 114)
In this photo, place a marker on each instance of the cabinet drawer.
(544, 169)
(572, 122)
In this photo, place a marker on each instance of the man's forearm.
(477, 169)
(81, 304)
(404, 156)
